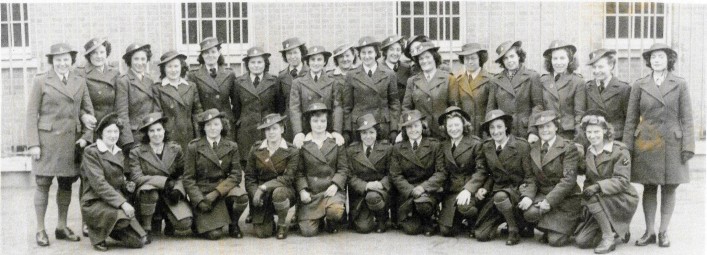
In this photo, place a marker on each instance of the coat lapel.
(555, 151)
(594, 95)
(204, 75)
(492, 158)
(116, 159)
(205, 149)
(92, 73)
(669, 84)
(328, 146)
(520, 77)
(407, 152)
(54, 81)
(266, 82)
(464, 145)
(172, 92)
(652, 89)
(611, 90)
(423, 149)
(73, 84)
(263, 155)
(139, 84)
(360, 156)
(377, 154)
(312, 149)
(551, 87)
(505, 84)
(247, 84)
(314, 86)
(448, 152)
(535, 155)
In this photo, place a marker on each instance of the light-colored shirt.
(166, 81)
(102, 147)
(474, 74)
(549, 143)
(502, 144)
(608, 147)
(252, 77)
(372, 69)
(418, 140)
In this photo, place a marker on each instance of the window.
(15, 81)
(440, 20)
(226, 21)
(14, 25)
(626, 21)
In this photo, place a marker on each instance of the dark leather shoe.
(213, 234)
(382, 228)
(235, 231)
(282, 232)
(84, 230)
(605, 246)
(544, 239)
(663, 240)
(148, 238)
(513, 238)
(42, 238)
(248, 219)
(156, 226)
(646, 240)
(102, 246)
(527, 232)
(66, 234)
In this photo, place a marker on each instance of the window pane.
(433, 8)
(647, 30)
(192, 32)
(245, 31)
(447, 29)
(184, 32)
(610, 27)
(433, 29)
(24, 8)
(623, 8)
(221, 10)
(184, 11)
(455, 28)
(236, 31)
(637, 27)
(455, 8)
(5, 36)
(191, 10)
(222, 30)
(4, 12)
(27, 34)
(446, 7)
(16, 12)
(244, 8)
(623, 27)
(207, 28)
(419, 8)
(206, 10)
(405, 27)
(659, 27)
(405, 8)
(17, 35)
(419, 26)
(660, 8)
(637, 7)
(611, 8)
(235, 10)
(652, 8)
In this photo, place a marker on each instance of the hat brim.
(210, 46)
(61, 52)
(219, 115)
(266, 125)
(358, 47)
(550, 50)
(265, 55)
(326, 54)
(291, 47)
(407, 123)
(442, 117)
(364, 127)
(147, 125)
(484, 126)
(435, 48)
(596, 58)
(516, 43)
(469, 52)
(172, 58)
(540, 123)
(400, 38)
(136, 49)
(89, 50)
(647, 54)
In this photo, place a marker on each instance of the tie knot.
(370, 73)
(293, 73)
(557, 77)
(316, 78)
(213, 72)
(214, 145)
(395, 67)
(414, 145)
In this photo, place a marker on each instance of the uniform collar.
(364, 145)
(102, 147)
(264, 144)
(432, 75)
(313, 74)
(549, 143)
(212, 141)
(61, 76)
(391, 65)
(252, 76)
(166, 81)
(298, 67)
(308, 137)
(475, 73)
(419, 140)
(503, 144)
(608, 147)
(372, 69)
(456, 142)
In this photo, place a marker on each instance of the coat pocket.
(46, 126)
(678, 134)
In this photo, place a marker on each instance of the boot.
(605, 246)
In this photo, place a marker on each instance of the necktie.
(395, 68)
(256, 81)
(414, 145)
(543, 149)
(293, 73)
(557, 77)
(215, 144)
(368, 151)
(63, 79)
(601, 86)
(498, 150)
(316, 78)
(213, 72)
(454, 147)
(370, 73)
(469, 77)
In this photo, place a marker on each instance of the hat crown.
(168, 54)
(471, 46)
(501, 48)
(367, 119)
(366, 40)
(291, 41)
(60, 48)
(317, 106)
(494, 114)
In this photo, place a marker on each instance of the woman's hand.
(339, 138)
(305, 197)
(544, 205)
(399, 138)
(204, 206)
(481, 194)
(417, 191)
(89, 121)
(258, 197)
(533, 138)
(81, 142)
(298, 141)
(464, 197)
(525, 203)
(331, 191)
(128, 209)
(35, 152)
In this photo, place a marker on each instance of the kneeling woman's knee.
(183, 224)
(500, 197)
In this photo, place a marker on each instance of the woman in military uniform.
(605, 92)
(59, 104)
(470, 89)
(460, 152)
(100, 77)
(556, 209)
(609, 198)
(212, 174)
(417, 170)
(269, 178)
(177, 97)
(344, 61)
(321, 175)
(369, 182)
(156, 167)
(392, 48)
(293, 52)
(505, 160)
(104, 197)
(660, 133)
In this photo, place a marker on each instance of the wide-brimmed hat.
(317, 106)
(111, 118)
(255, 52)
(60, 48)
(271, 119)
(367, 41)
(390, 40)
(656, 47)
(424, 46)
(505, 47)
(314, 50)
(133, 47)
(494, 115)
(366, 121)
(208, 115)
(93, 44)
(208, 43)
(598, 54)
(152, 118)
(558, 44)
(470, 48)
(341, 49)
(408, 117)
(169, 55)
(544, 117)
(291, 43)
(415, 38)
(449, 110)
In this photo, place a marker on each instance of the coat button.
(310, 98)
(100, 92)
(218, 96)
(171, 107)
(429, 98)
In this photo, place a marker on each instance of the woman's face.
(368, 55)
(62, 63)
(98, 56)
(316, 63)
(173, 69)
(414, 130)
(497, 128)
(294, 57)
(318, 123)
(427, 61)
(110, 135)
(511, 60)
(274, 133)
(472, 62)
(368, 136)
(210, 56)
(601, 69)
(547, 131)
(455, 127)
(156, 133)
(595, 134)
(213, 128)
(560, 60)
(256, 65)
(138, 61)
(659, 61)
(393, 53)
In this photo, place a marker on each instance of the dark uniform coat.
(520, 97)
(368, 169)
(179, 105)
(613, 100)
(318, 169)
(216, 92)
(618, 197)
(658, 128)
(285, 80)
(305, 92)
(102, 193)
(402, 74)
(408, 169)
(206, 170)
(134, 99)
(431, 98)
(251, 104)
(556, 181)
(377, 95)
(567, 97)
(274, 171)
(53, 122)
(101, 87)
(471, 96)
(460, 166)
(149, 172)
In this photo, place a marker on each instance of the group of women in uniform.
(411, 145)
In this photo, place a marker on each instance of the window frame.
(631, 42)
(12, 52)
(445, 45)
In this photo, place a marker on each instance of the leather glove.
(204, 206)
(591, 190)
(686, 155)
